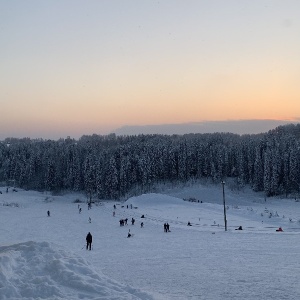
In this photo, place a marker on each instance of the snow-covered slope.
(44, 257)
(33, 270)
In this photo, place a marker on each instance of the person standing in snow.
(89, 240)
(167, 227)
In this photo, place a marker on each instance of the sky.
(45, 257)
(71, 67)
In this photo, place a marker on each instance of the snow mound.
(34, 270)
(154, 200)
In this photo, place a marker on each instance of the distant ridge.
(237, 127)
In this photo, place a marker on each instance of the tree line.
(111, 167)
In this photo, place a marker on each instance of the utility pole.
(225, 220)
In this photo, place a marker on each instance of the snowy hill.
(44, 257)
(34, 270)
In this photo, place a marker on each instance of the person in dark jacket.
(89, 240)
(168, 227)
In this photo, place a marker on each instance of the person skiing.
(48, 213)
(89, 240)
(129, 234)
(132, 221)
(142, 225)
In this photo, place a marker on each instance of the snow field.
(45, 258)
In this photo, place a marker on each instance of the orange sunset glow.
(74, 68)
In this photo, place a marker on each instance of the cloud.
(236, 126)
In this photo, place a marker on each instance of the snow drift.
(34, 270)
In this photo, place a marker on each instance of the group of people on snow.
(89, 238)
(278, 230)
(124, 221)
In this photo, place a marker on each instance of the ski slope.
(44, 257)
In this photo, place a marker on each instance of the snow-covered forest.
(112, 167)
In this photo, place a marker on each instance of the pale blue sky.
(83, 67)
